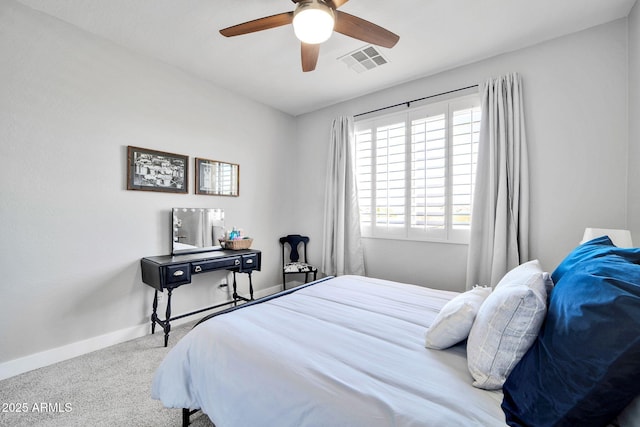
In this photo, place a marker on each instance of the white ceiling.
(435, 35)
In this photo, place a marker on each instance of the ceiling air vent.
(364, 59)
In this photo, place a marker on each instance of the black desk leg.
(237, 297)
(154, 315)
(167, 324)
(235, 290)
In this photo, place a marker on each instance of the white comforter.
(345, 352)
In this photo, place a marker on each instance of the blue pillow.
(600, 246)
(596, 248)
(584, 367)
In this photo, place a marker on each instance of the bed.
(355, 351)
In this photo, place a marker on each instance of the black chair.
(295, 265)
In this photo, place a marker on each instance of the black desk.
(169, 272)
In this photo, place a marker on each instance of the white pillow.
(454, 321)
(507, 324)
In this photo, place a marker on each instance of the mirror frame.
(208, 173)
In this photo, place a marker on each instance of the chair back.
(294, 241)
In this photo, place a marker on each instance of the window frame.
(448, 234)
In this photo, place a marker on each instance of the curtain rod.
(408, 103)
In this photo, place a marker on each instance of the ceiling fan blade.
(366, 31)
(337, 3)
(309, 53)
(260, 24)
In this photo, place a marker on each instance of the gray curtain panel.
(500, 216)
(342, 248)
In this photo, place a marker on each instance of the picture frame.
(216, 178)
(153, 170)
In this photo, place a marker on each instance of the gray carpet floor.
(109, 387)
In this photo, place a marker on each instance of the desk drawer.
(178, 274)
(215, 264)
(250, 262)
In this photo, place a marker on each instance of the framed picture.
(152, 170)
(216, 178)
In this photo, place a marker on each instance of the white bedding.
(344, 352)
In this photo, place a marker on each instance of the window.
(416, 171)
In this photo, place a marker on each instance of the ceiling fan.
(313, 22)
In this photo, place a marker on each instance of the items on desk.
(235, 239)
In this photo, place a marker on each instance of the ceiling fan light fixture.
(313, 22)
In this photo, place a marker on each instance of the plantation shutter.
(416, 171)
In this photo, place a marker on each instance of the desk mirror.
(196, 230)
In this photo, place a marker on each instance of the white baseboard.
(78, 348)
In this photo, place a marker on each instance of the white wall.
(576, 108)
(634, 125)
(72, 235)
